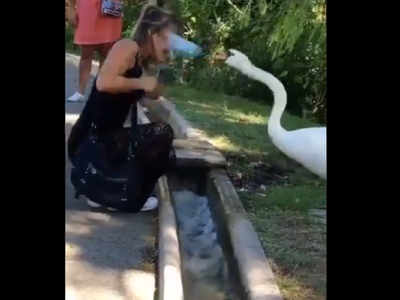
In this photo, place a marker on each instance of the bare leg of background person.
(85, 66)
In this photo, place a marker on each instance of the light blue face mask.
(183, 48)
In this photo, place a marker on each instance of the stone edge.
(254, 269)
(169, 262)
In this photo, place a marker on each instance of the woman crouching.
(113, 166)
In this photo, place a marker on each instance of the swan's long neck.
(280, 96)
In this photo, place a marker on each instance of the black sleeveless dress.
(115, 166)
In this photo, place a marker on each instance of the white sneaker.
(93, 204)
(77, 97)
(96, 205)
(151, 203)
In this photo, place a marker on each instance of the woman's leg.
(85, 66)
(152, 160)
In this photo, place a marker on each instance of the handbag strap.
(133, 130)
(134, 121)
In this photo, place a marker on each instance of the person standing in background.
(96, 29)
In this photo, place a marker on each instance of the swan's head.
(238, 60)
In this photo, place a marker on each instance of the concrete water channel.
(206, 241)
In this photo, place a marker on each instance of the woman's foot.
(151, 203)
(96, 205)
(77, 97)
(93, 204)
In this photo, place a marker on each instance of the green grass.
(306, 197)
(294, 242)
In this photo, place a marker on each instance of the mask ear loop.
(150, 35)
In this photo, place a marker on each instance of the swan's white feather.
(307, 146)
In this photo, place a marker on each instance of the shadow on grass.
(238, 126)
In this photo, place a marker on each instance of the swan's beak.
(220, 56)
(229, 55)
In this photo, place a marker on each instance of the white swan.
(306, 146)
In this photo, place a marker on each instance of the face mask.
(183, 48)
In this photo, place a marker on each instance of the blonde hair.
(152, 19)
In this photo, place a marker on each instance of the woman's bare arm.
(111, 78)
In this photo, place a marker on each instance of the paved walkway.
(107, 254)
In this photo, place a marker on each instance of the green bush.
(131, 14)
(286, 38)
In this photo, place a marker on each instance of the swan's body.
(306, 146)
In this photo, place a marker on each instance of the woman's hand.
(71, 13)
(157, 92)
(149, 83)
(74, 20)
(72, 17)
